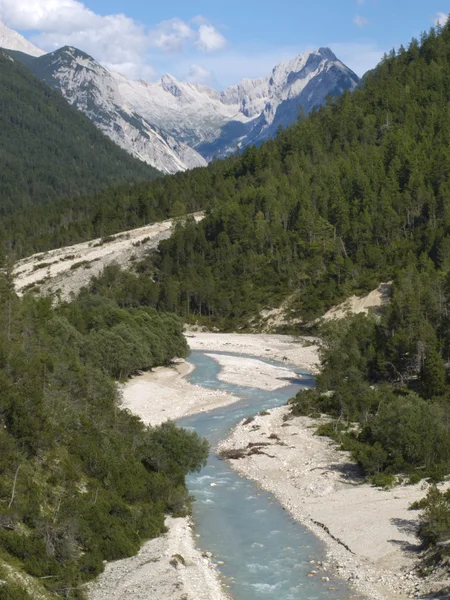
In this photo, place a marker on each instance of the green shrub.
(333, 430)
(383, 480)
(415, 478)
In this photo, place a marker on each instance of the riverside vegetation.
(81, 480)
(355, 194)
(385, 384)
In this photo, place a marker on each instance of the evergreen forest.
(50, 151)
(355, 194)
(82, 481)
(342, 200)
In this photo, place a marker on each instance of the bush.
(91, 482)
(435, 518)
(383, 480)
(10, 590)
(415, 478)
(333, 430)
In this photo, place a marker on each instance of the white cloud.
(171, 36)
(228, 68)
(121, 43)
(209, 39)
(115, 40)
(360, 21)
(200, 20)
(440, 18)
(360, 2)
(198, 74)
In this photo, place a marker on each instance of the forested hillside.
(82, 481)
(48, 150)
(342, 200)
(338, 202)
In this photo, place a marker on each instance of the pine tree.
(433, 375)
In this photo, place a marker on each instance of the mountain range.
(174, 125)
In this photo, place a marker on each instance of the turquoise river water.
(265, 553)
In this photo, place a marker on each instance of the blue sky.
(220, 42)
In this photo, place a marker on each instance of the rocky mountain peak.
(327, 53)
(171, 85)
(12, 40)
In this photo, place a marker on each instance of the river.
(260, 550)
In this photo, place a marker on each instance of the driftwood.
(336, 539)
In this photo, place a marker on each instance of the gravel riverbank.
(167, 568)
(369, 532)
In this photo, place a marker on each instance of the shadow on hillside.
(351, 473)
(406, 525)
(385, 291)
(406, 546)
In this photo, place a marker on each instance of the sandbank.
(164, 394)
(302, 352)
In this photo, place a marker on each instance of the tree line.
(356, 193)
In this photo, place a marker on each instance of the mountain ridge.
(92, 89)
(12, 40)
(175, 104)
(175, 125)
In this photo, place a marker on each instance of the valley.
(174, 126)
(224, 316)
